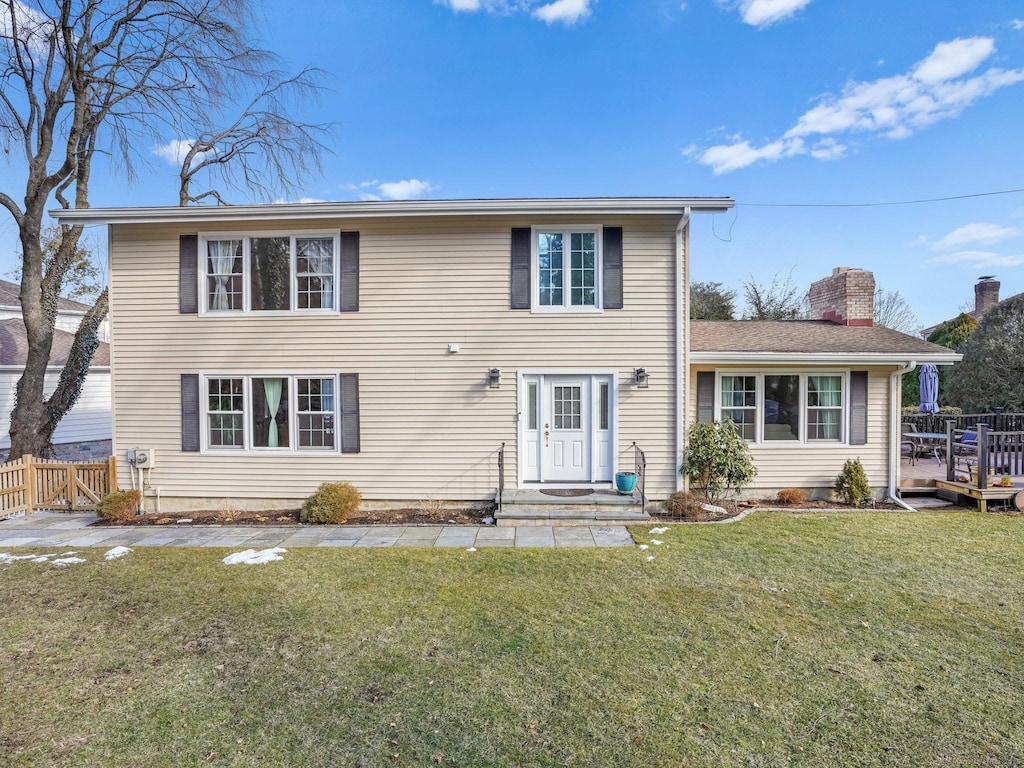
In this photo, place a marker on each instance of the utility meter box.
(143, 458)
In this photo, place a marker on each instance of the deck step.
(602, 507)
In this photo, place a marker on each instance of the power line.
(877, 205)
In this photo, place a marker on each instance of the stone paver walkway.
(49, 529)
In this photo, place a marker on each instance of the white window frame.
(248, 448)
(759, 410)
(246, 238)
(567, 230)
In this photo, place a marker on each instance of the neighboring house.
(262, 350)
(69, 311)
(986, 298)
(85, 432)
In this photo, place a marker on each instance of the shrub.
(792, 496)
(119, 505)
(852, 484)
(717, 460)
(331, 503)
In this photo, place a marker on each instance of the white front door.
(567, 428)
(566, 439)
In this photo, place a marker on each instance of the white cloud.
(565, 11)
(407, 189)
(953, 59)
(175, 150)
(300, 201)
(828, 149)
(977, 233)
(977, 259)
(1017, 24)
(764, 13)
(936, 88)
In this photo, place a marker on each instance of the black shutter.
(348, 297)
(705, 397)
(188, 274)
(190, 412)
(521, 250)
(858, 407)
(350, 413)
(612, 267)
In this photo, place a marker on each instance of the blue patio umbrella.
(929, 378)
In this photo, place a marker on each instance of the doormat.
(565, 492)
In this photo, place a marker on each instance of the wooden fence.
(30, 484)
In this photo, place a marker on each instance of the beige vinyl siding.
(430, 427)
(815, 465)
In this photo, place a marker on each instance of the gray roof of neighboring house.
(10, 297)
(808, 337)
(14, 346)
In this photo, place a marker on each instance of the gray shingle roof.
(9, 297)
(804, 336)
(14, 346)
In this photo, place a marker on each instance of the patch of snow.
(42, 558)
(663, 529)
(471, 549)
(68, 560)
(488, 521)
(657, 541)
(116, 552)
(252, 557)
(184, 520)
(67, 554)
(649, 558)
(641, 546)
(6, 558)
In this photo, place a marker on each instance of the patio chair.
(908, 450)
(966, 449)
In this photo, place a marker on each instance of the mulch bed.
(733, 510)
(403, 516)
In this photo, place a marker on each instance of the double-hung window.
(566, 269)
(273, 413)
(784, 407)
(270, 273)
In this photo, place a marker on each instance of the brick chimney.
(846, 297)
(986, 296)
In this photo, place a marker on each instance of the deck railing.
(936, 422)
(997, 452)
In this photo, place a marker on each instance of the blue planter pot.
(625, 482)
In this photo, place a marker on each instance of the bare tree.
(264, 149)
(778, 300)
(86, 275)
(81, 79)
(893, 311)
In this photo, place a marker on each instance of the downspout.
(682, 335)
(894, 434)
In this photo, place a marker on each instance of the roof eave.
(833, 358)
(376, 209)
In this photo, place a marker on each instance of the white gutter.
(682, 294)
(376, 208)
(895, 402)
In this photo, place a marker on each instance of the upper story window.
(770, 408)
(269, 273)
(566, 269)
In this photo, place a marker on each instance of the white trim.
(293, 283)
(853, 359)
(248, 449)
(372, 209)
(567, 231)
(682, 339)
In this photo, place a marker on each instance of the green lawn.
(818, 639)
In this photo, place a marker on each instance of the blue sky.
(768, 101)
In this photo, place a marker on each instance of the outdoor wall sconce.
(640, 378)
(494, 378)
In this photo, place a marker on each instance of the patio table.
(930, 441)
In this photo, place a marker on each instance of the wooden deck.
(928, 476)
